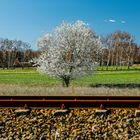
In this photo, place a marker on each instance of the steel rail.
(70, 101)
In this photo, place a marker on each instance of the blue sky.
(27, 20)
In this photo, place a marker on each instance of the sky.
(28, 20)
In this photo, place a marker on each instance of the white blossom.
(69, 52)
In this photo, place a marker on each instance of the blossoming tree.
(70, 51)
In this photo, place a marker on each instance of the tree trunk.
(102, 64)
(108, 60)
(120, 61)
(8, 60)
(117, 61)
(66, 81)
(128, 64)
(112, 59)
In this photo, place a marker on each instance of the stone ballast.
(77, 123)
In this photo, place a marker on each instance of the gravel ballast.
(78, 123)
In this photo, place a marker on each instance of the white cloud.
(123, 22)
(112, 20)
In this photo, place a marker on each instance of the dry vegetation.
(18, 90)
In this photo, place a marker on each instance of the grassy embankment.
(29, 81)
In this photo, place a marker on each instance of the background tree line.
(118, 49)
(15, 53)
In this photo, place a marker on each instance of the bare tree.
(9, 50)
(107, 49)
(121, 48)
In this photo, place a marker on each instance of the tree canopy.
(70, 51)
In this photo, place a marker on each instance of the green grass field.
(29, 82)
(111, 68)
(25, 77)
(31, 77)
(102, 78)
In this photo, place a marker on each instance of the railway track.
(70, 101)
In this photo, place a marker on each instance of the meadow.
(28, 81)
